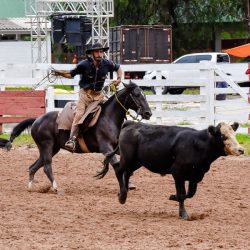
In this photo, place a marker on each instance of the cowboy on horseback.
(93, 71)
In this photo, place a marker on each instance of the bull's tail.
(17, 130)
(105, 169)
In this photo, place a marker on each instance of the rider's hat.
(96, 46)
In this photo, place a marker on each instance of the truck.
(220, 58)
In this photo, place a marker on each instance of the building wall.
(15, 52)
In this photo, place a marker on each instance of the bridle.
(126, 110)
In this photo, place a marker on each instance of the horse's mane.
(111, 98)
(131, 85)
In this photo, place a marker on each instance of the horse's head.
(136, 100)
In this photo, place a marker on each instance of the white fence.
(197, 110)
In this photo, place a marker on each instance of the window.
(6, 37)
(203, 58)
(187, 59)
(222, 58)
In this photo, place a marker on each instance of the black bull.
(185, 153)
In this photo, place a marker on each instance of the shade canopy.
(240, 51)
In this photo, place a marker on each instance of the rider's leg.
(85, 98)
(82, 103)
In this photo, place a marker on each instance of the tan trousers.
(85, 98)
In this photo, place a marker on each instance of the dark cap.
(96, 46)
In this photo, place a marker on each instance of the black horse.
(101, 138)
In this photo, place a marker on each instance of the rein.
(126, 110)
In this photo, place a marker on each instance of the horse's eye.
(136, 92)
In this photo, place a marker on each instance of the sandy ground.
(86, 213)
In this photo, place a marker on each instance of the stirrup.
(71, 144)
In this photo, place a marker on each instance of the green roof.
(12, 8)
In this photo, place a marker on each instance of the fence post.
(210, 87)
(2, 79)
(207, 75)
(37, 74)
(2, 87)
(50, 99)
(158, 91)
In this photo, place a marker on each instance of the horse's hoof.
(54, 185)
(122, 198)
(53, 190)
(60, 192)
(30, 185)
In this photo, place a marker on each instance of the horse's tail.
(17, 130)
(3, 142)
(106, 162)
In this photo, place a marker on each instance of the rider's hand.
(56, 72)
(115, 84)
(118, 81)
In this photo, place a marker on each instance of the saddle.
(66, 116)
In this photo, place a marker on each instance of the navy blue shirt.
(92, 77)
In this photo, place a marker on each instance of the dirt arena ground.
(86, 213)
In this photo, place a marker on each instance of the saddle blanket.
(66, 116)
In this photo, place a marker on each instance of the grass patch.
(184, 123)
(245, 125)
(148, 92)
(192, 91)
(18, 88)
(23, 139)
(65, 87)
(244, 140)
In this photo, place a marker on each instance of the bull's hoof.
(184, 216)
(131, 186)
(173, 197)
(122, 197)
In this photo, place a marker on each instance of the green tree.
(194, 22)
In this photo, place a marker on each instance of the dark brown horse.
(101, 138)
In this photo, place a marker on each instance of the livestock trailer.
(141, 44)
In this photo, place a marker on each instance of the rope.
(127, 111)
(52, 78)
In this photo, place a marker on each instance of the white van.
(190, 58)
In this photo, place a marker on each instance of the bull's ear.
(212, 130)
(235, 126)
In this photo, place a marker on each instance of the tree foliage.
(194, 22)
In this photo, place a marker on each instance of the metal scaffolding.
(39, 11)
